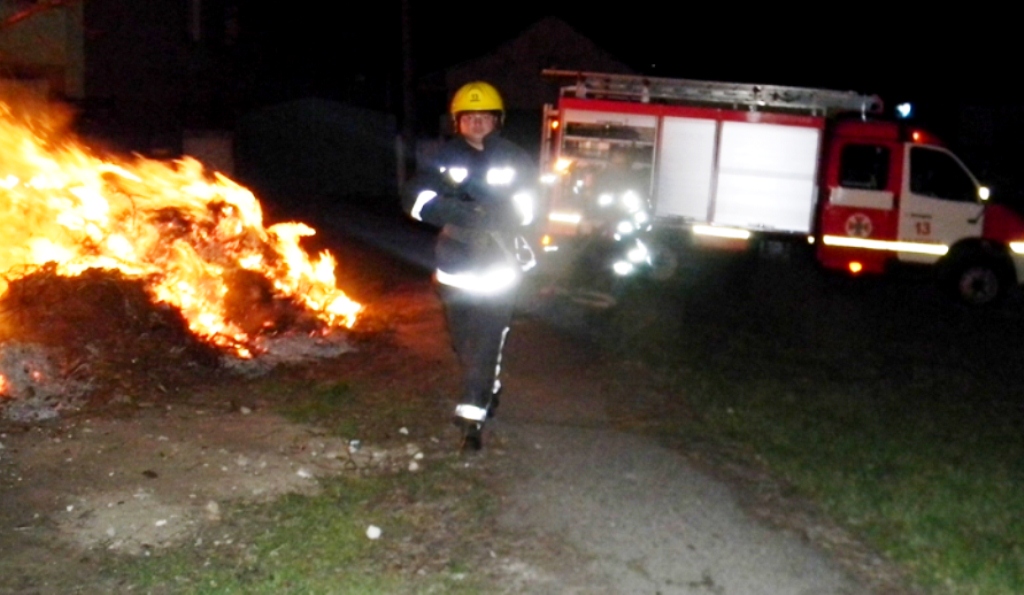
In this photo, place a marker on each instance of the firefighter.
(480, 190)
(616, 247)
(619, 175)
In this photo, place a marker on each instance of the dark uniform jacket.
(484, 201)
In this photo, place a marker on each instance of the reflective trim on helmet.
(470, 412)
(492, 282)
(421, 201)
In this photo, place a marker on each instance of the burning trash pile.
(110, 265)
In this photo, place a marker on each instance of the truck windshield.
(938, 174)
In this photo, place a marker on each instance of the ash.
(288, 348)
(35, 389)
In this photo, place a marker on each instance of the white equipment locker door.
(766, 176)
(686, 168)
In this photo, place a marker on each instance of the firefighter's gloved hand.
(477, 191)
(495, 217)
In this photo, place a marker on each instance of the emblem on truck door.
(858, 226)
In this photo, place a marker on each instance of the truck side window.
(937, 174)
(865, 167)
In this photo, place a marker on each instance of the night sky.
(901, 54)
(926, 55)
(940, 61)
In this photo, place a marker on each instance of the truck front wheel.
(980, 282)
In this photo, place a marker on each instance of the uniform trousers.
(478, 325)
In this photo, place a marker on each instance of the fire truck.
(742, 165)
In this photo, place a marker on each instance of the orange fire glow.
(169, 223)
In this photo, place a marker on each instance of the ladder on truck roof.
(628, 87)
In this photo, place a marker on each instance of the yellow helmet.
(477, 96)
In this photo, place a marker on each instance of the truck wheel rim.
(979, 285)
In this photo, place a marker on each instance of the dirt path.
(646, 518)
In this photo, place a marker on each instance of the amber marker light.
(547, 243)
(855, 267)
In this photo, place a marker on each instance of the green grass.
(329, 405)
(898, 412)
(318, 544)
(934, 494)
(366, 409)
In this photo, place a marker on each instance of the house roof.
(515, 66)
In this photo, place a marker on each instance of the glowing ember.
(170, 224)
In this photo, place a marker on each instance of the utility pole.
(407, 141)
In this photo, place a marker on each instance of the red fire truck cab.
(733, 162)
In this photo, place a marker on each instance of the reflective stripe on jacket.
(484, 201)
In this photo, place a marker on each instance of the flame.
(168, 223)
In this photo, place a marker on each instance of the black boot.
(492, 408)
(470, 419)
(472, 436)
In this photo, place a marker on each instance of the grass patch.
(318, 544)
(365, 409)
(935, 490)
(894, 409)
(319, 402)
